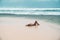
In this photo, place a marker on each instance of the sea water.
(47, 14)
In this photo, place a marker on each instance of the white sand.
(13, 28)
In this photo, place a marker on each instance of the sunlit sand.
(13, 28)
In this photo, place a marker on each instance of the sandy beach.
(13, 28)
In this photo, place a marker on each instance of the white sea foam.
(29, 8)
(31, 11)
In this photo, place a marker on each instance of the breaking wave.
(31, 11)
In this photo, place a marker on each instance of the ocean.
(49, 15)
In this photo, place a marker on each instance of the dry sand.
(13, 28)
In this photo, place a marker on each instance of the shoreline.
(53, 19)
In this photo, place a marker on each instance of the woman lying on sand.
(35, 24)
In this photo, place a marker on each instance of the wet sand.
(13, 28)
